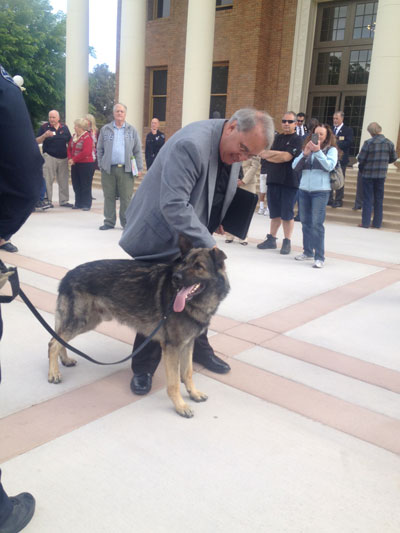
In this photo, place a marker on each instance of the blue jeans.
(373, 189)
(312, 216)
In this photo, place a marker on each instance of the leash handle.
(14, 282)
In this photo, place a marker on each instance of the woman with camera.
(318, 158)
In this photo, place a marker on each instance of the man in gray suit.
(187, 191)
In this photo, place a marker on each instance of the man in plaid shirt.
(373, 161)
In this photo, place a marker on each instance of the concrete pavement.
(303, 435)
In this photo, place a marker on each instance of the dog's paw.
(54, 378)
(67, 361)
(184, 411)
(198, 396)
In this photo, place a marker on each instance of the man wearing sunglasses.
(283, 183)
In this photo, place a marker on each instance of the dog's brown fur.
(138, 294)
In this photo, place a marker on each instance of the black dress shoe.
(141, 383)
(211, 362)
(21, 514)
(104, 227)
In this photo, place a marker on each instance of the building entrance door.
(323, 105)
(341, 62)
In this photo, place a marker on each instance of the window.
(328, 68)
(219, 90)
(158, 9)
(360, 62)
(224, 4)
(158, 93)
(333, 23)
(323, 108)
(364, 22)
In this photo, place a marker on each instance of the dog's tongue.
(180, 300)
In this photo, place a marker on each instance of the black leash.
(17, 291)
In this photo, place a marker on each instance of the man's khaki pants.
(56, 169)
(117, 183)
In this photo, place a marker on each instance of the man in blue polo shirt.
(118, 145)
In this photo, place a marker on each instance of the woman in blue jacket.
(314, 165)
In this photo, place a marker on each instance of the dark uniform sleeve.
(20, 160)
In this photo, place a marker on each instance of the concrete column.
(198, 60)
(77, 61)
(131, 63)
(383, 94)
(306, 16)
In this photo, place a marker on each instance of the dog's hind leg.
(171, 358)
(187, 375)
(57, 350)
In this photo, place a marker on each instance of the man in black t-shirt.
(54, 138)
(283, 183)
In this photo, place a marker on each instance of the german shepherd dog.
(138, 294)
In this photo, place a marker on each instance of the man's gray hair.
(339, 113)
(374, 128)
(248, 118)
(291, 113)
(119, 103)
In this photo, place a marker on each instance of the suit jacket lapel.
(213, 163)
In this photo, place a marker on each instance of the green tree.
(101, 93)
(32, 44)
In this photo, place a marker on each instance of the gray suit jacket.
(176, 194)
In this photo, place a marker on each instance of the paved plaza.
(302, 436)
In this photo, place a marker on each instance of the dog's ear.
(218, 257)
(185, 244)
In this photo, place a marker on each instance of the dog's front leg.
(187, 375)
(171, 361)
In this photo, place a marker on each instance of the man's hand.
(4, 278)
(48, 133)
(240, 183)
(71, 162)
(220, 230)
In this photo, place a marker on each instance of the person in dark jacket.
(373, 161)
(155, 140)
(21, 178)
(344, 138)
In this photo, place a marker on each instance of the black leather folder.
(238, 217)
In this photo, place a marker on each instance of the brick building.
(182, 60)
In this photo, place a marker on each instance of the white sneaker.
(266, 212)
(303, 257)
(318, 264)
(260, 211)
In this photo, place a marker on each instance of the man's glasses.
(287, 121)
(301, 120)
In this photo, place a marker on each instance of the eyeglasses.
(287, 121)
(301, 120)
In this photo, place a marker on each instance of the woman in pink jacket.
(80, 157)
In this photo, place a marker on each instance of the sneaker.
(260, 211)
(304, 257)
(269, 243)
(9, 247)
(266, 212)
(318, 264)
(285, 250)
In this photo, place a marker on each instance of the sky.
(102, 29)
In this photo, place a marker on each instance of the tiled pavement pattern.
(303, 435)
